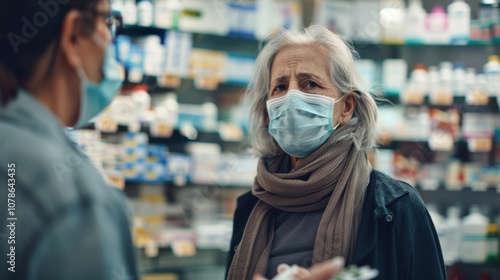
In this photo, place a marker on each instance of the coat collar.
(386, 190)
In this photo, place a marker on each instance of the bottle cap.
(493, 58)
(438, 9)
(419, 66)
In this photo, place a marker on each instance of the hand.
(323, 271)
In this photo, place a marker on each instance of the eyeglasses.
(113, 21)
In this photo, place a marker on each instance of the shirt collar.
(27, 111)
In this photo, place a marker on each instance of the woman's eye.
(311, 85)
(279, 88)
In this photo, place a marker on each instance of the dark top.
(293, 243)
(396, 235)
(70, 225)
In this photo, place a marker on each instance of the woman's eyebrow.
(304, 76)
(281, 79)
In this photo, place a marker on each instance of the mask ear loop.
(335, 127)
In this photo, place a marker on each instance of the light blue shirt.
(70, 225)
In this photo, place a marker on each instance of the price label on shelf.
(106, 124)
(183, 248)
(161, 129)
(116, 180)
(480, 144)
(151, 248)
(478, 97)
(206, 82)
(170, 80)
(413, 98)
(442, 98)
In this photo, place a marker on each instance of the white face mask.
(301, 122)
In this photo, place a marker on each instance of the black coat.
(396, 234)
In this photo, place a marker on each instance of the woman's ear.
(71, 33)
(348, 109)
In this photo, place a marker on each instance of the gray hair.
(344, 76)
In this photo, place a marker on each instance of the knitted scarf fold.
(334, 178)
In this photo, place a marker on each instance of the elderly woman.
(315, 195)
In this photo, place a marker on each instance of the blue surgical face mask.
(301, 122)
(94, 97)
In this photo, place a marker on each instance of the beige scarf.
(334, 178)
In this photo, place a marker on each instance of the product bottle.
(453, 237)
(163, 14)
(442, 88)
(393, 23)
(144, 12)
(493, 246)
(474, 237)
(437, 26)
(459, 81)
(488, 11)
(459, 16)
(492, 72)
(117, 5)
(417, 86)
(166, 116)
(440, 226)
(129, 12)
(415, 23)
(434, 80)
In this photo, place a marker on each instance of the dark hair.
(27, 29)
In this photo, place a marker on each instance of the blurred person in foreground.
(315, 195)
(57, 70)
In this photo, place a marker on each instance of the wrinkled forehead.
(296, 59)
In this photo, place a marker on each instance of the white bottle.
(163, 14)
(144, 13)
(459, 80)
(117, 5)
(153, 51)
(459, 17)
(393, 23)
(415, 23)
(129, 12)
(440, 226)
(452, 222)
(473, 247)
(446, 74)
(492, 72)
(434, 80)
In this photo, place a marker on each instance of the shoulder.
(247, 199)
(244, 205)
(396, 195)
(49, 173)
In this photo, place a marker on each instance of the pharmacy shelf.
(133, 183)
(136, 30)
(464, 198)
(185, 267)
(151, 82)
(474, 271)
(459, 103)
(177, 136)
